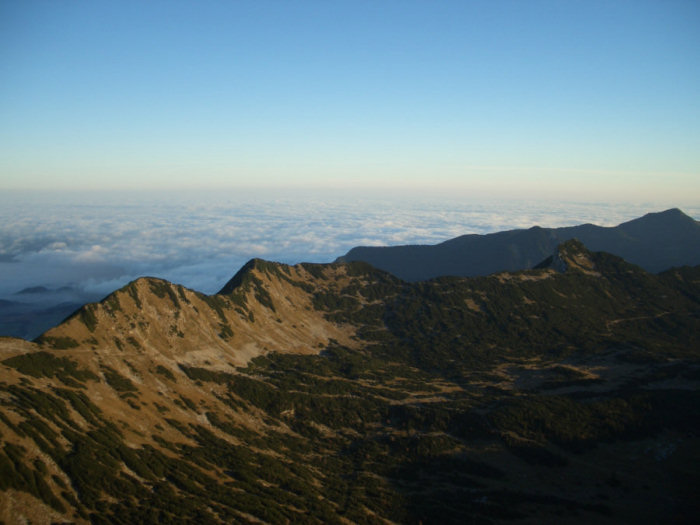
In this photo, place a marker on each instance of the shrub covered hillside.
(340, 394)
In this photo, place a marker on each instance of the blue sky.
(564, 98)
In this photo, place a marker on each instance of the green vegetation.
(163, 289)
(133, 293)
(181, 294)
(217, 303)
(88, 317)
(60, 343)
(245, 280)
(118, 343)
(307, 287)
(165, 372)
(15, 474)
(112, 304)
(45, 364)
(202, 374)
(315, 270)
(117, 381)
(260, 293)
(225, 331)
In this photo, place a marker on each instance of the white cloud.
(95, 253)
(100, 242)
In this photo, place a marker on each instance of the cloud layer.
(96, 243)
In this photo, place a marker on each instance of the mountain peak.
(656, 242)
(668, 222)
(570, 255)
(239, 277)
(671, 213)
(266, 306)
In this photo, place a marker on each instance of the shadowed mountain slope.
(656, 242)
(341, 394)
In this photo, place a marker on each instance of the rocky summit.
(341, 394)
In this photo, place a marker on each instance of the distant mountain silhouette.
(33, 290)
(33, 310)
(656, 242)
(28, 320)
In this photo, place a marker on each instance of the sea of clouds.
(86, 245)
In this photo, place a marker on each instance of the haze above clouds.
(539, 98)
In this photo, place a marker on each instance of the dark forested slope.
(339, 393)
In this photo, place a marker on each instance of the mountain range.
(339, 393)
(656, 242)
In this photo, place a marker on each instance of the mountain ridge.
(513, 250)
(656, 241)
(352, 396)
(150, 310)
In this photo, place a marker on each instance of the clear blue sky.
(565, 97)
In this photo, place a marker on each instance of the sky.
(561, 99)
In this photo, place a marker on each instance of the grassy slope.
(535, 397)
